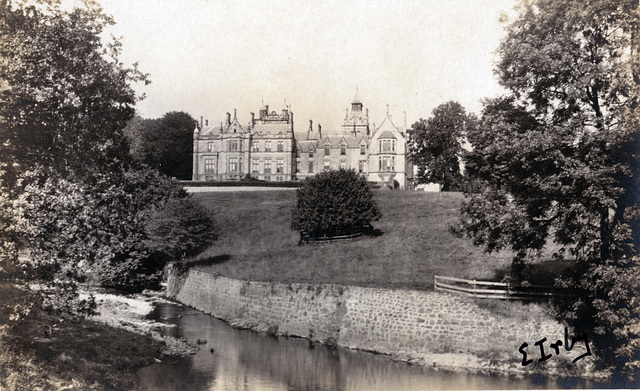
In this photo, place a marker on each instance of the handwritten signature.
(556, 346)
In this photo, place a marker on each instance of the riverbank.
(427, 328)
(42, 350)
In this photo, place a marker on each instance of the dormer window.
(311, 152)
(327, 150)
(343, 150)
(363, 149)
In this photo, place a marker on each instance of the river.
(232, 359)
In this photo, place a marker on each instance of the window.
(310, 167)
(297, 167)
(233, 145)
(233, 164)
(267, 178)
(363, 149)
(327, 166)
(361, 166)
(386, 163)
(254, 165)
(327, 150)
(255, 146)
(210, 146)
(278, 179)
(387, 145)
(310, 152)
(279, 165)
(343, 150)
(280, 146)
(267, 146)
(267, 166)
(209, 165)
(343, 165)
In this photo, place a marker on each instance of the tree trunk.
(605, 236)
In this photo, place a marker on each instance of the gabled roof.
(304, 145)
(234, 127)
(388, 130)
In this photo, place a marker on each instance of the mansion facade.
(268, 149)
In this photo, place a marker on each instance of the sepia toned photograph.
(362, 195)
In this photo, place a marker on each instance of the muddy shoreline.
(129, 312)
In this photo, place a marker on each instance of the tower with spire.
(356, 121)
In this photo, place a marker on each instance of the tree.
(558, 158)
(181, 228)
(70, 189)
(165, 144)
(332, 203)
(67, 96)
(435, 145)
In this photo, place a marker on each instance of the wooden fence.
(494, 290)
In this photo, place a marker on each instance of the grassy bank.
(50, 351)
(414, 244)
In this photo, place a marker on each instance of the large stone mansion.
(269, 149)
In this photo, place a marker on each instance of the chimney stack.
(206, 122)
(228, 119)
(200, 122)
(319, 132)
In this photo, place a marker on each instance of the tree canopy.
(435, 145)
(165, 144)
(558, 156)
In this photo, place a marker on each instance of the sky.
(209, 57)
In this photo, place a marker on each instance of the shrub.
(332, 203)
(108, 230)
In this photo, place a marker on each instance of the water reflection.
(244, 360)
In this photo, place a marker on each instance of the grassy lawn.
(256, 243)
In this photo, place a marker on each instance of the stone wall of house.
(381, 320)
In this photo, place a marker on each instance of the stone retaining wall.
(403, 323)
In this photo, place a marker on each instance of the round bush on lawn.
(334, 203)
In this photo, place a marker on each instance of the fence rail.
(494, 290)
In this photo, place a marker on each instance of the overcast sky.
(209, 57)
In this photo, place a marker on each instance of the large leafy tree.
(67, 97)
(70, 190)
(435, 145)
(558, 157)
